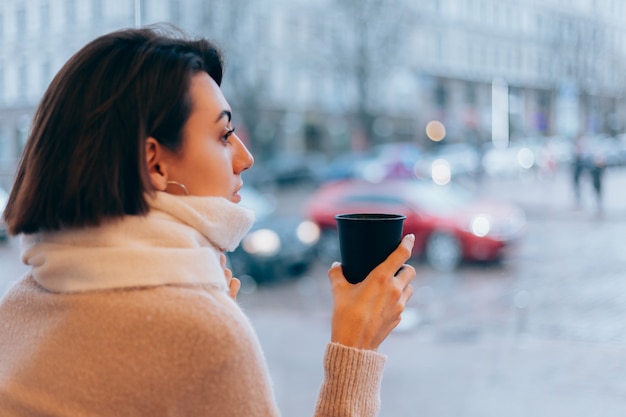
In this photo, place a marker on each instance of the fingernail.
(335, 264)
(410, 238)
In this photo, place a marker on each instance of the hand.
(233, 283)
(365, 313)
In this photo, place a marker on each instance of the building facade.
(560, 64)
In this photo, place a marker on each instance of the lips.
(236, 198)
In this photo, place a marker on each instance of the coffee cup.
(366, 240)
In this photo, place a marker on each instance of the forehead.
(206, 95)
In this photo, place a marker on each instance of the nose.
(243, 159)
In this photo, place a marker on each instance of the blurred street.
(504, 97)
(542, 333)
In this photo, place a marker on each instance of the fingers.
(406, 274)
(233, 288)
(403, 285)
(227, 272)
(394, 265)
(405, 248)
(403, 252)
(365, 313)
(396, 260)
(407, 293)
(233, 283)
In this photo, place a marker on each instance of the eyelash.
(227, 135)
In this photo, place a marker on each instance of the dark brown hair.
(84, 160)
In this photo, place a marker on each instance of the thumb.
(335, 274)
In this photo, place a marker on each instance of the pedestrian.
(596, 170)
(126, 200)
(578, 167)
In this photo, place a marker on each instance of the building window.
(1, 85)
(70, 12)
(20, 21)
(490, 13)
(97, 10)
(5, 145)
(471, 55)
(175, 11)
(484, 13)
(44, 16)
(470, 93)
(509, 21)
(46, 73)
(496, 15)
(436, 7)
(441, 96)
(21, 130)
(22, 82)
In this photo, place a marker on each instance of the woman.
(126, 199)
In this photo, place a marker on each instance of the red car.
(450, 224)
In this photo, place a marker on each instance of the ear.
(157, 168)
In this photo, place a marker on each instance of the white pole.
(500, 113)
(137, 13)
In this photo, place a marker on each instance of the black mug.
(365, 241)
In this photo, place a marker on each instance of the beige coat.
(133, 318)
(179, 350)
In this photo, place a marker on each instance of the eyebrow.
(224, 113)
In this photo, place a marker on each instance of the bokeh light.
(526, 158)
(441, 172)
(481, 226)
(435, 130)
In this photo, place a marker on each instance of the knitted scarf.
(177, 242)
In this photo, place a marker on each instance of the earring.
(179, 184)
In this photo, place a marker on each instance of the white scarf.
(177, 242)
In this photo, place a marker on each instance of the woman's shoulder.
(197, 308)
(201, 309)
(190, 320)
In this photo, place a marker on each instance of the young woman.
(126, 200)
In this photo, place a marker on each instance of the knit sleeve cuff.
(352, 379)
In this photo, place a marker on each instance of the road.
(542, 334)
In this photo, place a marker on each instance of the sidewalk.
(553, 196)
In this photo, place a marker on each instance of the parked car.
(458, 159)
(341, 167)
(382, 161)
(277, 246)
(450, 224)
(4, 197)
(388, 160)
(286, 168)
(512, 160)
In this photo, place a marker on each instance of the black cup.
(365, 241)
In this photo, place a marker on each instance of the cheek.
(216, 169)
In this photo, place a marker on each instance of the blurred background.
(498, 128)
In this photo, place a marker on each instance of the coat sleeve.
(351, 386)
